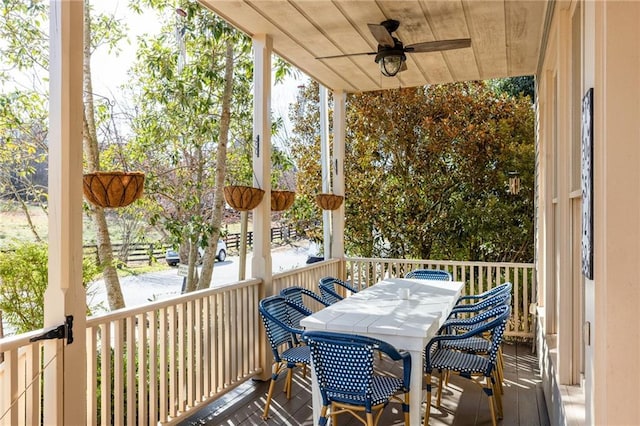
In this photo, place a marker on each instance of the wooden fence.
(148, 253)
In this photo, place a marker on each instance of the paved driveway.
(141, 289)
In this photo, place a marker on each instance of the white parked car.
(173, 258)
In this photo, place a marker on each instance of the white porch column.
(261, 260)
(326, 167)
(65, 378)
(337, 219)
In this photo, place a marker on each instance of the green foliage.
(426, 172)
(23, 281)
(517, 86)
(178, 84)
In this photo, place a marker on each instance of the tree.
(426, 172)
(24, 272)
(23, 105)
(517, 86)
(183, 88)
(92, 158)
(193, 130)
(25, 109)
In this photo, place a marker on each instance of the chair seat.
(297, 354)
(448, 359)
(383, 388)
(472, 344)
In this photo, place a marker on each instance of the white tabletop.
(380, 311)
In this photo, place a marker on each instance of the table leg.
(316, 399)
(415, 393)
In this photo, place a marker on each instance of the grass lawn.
(14, 226)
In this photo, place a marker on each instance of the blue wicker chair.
(429, 274)
(473, 366)
(303, 297)
(344, 367)
(330, 293)
(463, 318)
(298, 295)
(275, 312)
(475, 298)
(501, 298)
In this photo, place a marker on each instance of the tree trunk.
(221, 168)
(92, 156)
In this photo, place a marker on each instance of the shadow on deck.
(463, 403)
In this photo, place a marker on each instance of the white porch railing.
(161, 362)
(479, 277)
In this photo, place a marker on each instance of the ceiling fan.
(391, 52)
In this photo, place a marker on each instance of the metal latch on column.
(64, 331)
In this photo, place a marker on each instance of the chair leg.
(287, 385)
(427, 410)
(498, 398)
(440, 384)
(370, 419)
(272, 385)
(323, 416)
(334, 415)
(405, 408)
(500, 370)
(491, 395)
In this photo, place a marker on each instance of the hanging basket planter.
(243, 198)
(281, 200)
(112, 189)
(329, 201)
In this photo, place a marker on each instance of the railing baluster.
(153, 367)
(163, 409)
(189, 355)
(118, 374)
(130, 369)
(142, 369)
(181, 388)
(92, 376)
(173, 362)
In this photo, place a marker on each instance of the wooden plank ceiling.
(506, 37)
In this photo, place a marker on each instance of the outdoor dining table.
(387, 311)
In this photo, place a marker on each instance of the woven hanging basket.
(281, 200)
(243, 198)
(329, 201)
(112, 189)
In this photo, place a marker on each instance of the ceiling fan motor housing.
(390, 24)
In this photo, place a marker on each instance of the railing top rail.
(128, 312)
(19, 340)
(298, 271)
(438, 262)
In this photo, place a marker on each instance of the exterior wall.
(617, 212)
(588, 334)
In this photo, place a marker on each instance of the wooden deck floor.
(463, 402)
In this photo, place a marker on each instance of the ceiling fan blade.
(346, 54)
(382, 35)
(436, 46)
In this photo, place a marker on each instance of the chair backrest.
(502, 288)
(500, 298)
(496, 322)
(492, 321)
(303, 297)
(278, 316)
(329, 292)
(344, 364)
(430, 274)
